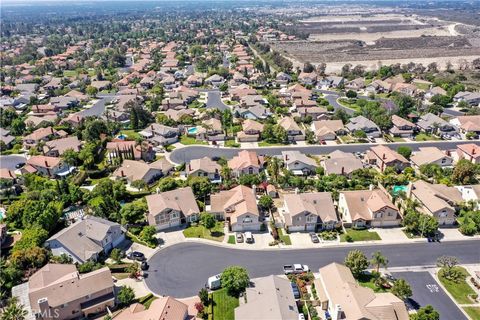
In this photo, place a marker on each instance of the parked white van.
(248, 237)
(214, 282)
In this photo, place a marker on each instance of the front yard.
(352, 235)
(461, 290)
(186, 140)
(223, 305)
(426, 137)
(285, 238)
(199, 231)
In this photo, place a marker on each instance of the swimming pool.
(122, 137)
(398, 189)
(192, 130)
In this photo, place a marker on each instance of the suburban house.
(211, 130)
(205, 167)
(129, 149)
(215, 80)
(294, 132)
(332, 81)
(402, 127)
(344, 298)
(327, 129)
(471, 194)
(367, 208)
(431, 155)
(431, 123)
(132, 170)
(47, 166)
(268, 298)
(341, 163)
(283, 78)
(42, 134)
(59, 291)
(298, 163)
(360, 123)
(434, 92)
(162, 308)
(56, 148)
(467, 124)
(312, 112)
(251, 131)
(383, 157)
(159, 134)
(472, 98)
(87, 239)
(246, 162)
(6, 138)
(355, 84)
(238, 206)
(436, 200)
(307, 78)
(172, 208)
(309, 211)
(470, 152)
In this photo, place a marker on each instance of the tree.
(426, 313)
(201, 186)
(405, 151)
(208, 221)
(357, 262)
(126, 295)
(203, 295)
(448, 268)
(265, 202)
(148, 235)
(14, 310)
(116, 255)
(91, 91)
(379, 260)
(273, 168)
(402, 289)
(420, 224)
(351, 94)
(464, 172)
(360, 134)
(235, 279)
(133, 212)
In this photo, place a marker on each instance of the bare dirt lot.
(374, 40)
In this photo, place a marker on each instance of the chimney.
(254, 188)
(473, 150)
(189, 167)
(297, 191)
(370, 187)
(46, 164)
(448, 153)
(286, 157)
(122, 173)
(384, 156)
(338, 313)
(343, 171)
(51, 129)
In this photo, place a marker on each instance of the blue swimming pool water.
(192, 130)
(398, 189)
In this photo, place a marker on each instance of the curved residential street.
(188, 153)
(181, 270)
(10, 161)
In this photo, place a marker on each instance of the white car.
(249, 237)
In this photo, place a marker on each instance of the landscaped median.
(458, 288)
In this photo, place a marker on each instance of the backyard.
(186, 140)
(358, 235)
(224, 305)
(368, 280)
(199, 231)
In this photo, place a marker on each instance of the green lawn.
(352, 104)
(224, 305)
(368, 281)
(200, 231)
(190, 140)
(285, 238)
(360, 235)
(268, 144)
(459, 290)
(473, 312)
(425, 137)
(131, 134)
(231, 240)
(70, 73)
(232, 144)
(396, 139)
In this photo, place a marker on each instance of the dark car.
(314, 237)
(135, 255)
(296, 291)
(19, 165)
(144, 266)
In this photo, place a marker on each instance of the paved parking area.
(261, 241)
(427, 291)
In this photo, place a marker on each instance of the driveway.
(10, 161)
(182, 269)
(427, 291)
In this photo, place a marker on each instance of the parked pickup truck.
(295, 268)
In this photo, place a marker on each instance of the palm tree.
(379, 260)
(14, 311)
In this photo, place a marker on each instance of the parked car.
(295, 268)
(239, 237)
(296, 291)
(135, 255)
(19, 165)
(144, 266)
(314, 237)
(301, 316)
(214, 282)
(249, 237)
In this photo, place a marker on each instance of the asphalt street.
(10, 161)
(191, 152)
(214, 101)
(182, 269)
(426, 291)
